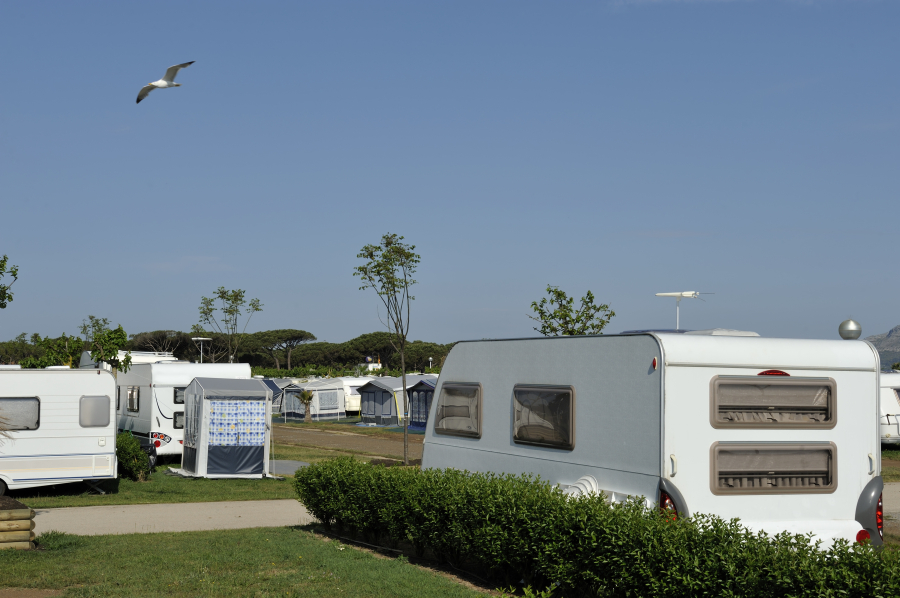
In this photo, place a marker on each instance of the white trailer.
(780, 433)
(890, 407)
(150, 396)
(62, 427)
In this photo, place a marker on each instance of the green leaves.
(230, 304)
(558, 315)
(65, 350)
(105, 346)
(13, 272)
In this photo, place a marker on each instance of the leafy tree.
(93, 326)
(388, 270)
(160, 341)
(231, 305)
(105, 346)
(306, 398)
(65, 350)
(559, 317)
(274, 342)
(13, 272)
(895, 366)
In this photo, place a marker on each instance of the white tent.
(327, 402)
(226, 431)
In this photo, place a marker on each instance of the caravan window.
(118, 398)
(93, 412)
(773, 402)
(178, 420)
(21, 413)
(133, 405)
(770, 468)
(179, 396)
(458, 411)
(544, 416)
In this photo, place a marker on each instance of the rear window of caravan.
(21, 413)
(772, 402)
(773, 468)
(544, 416)
(93, 412)
(179, 395)
(458, 410)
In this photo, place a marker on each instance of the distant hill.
(888, 345)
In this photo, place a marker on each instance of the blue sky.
(744, 148)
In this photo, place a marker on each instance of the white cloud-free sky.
(748, 149)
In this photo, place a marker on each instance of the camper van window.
(544, 416)
(178, 420)
(93, 412)
(134, 399)
(776, 468)
(118, 398)
(179, 396)
(459, 410)
(21, 413)
(777, 402)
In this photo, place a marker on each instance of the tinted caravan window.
(773, 468)
(93, 412)
(544, 416)
(178, 420)
(458, 410)
(21, 413)
(179, 396)
(773, 402)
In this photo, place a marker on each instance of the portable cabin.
(780, 433)
(381, 399)
(420, 396)
(150, 395)
(890, 407)
(352, 385)
(226, 428)
(327, 400)
(61, 424)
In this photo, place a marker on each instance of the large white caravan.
(890, 408)
(781, 433)
(150, 396)
(62, 426)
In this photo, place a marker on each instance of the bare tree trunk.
(277, 363)
(307, 417)
(405, 408)
(289, 358)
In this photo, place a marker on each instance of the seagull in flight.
(168, 80)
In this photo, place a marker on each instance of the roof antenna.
(678, 298)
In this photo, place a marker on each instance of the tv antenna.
(678, 298)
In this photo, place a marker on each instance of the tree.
(160, 341)
(559, 317)
(93, 326)
(105, 346)
(274, 342)
(13, 272)
(232, 306)
(388, 270)
(306, 398)
(65, 350)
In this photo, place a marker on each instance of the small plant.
(54, 540)
(306, 398)
(134, 463)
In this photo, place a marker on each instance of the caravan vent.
(773, 468)
(779, 402)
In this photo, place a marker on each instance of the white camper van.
(890, 407)
(150, 395)
(780, 433)
(62, 427)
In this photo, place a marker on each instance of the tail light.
(667, 505)
(879, 517)
(862, 536)
(157, 443)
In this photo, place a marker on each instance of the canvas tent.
(420, 396)
(381, 400)
(226, 431)
(327, 401)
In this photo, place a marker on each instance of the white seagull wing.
(173, 70)
(145, 91)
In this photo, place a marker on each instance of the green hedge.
(519, 527)
(134, 463)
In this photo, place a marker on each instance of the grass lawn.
(253, 562)
(890, 465)
(310, 454)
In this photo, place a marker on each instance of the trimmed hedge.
(134, 463)
(519, 527)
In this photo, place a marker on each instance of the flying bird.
(168, 80)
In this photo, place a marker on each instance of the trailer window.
(179, 396)
(93, 412)
(20, 413)
(784, 468)
(544, 416)
(133, 405)
(118, 398)
(459, 410)
(178, 420)
(749, 402)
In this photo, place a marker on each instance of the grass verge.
(251, 562)
(349, 426)
(890, 465)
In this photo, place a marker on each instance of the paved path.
(178, 517)
(372, 445)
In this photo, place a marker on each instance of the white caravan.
(150, 395)
(890, 408)
(62, 427)
(781, 433)
(351, 391)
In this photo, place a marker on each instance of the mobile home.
(890, 407)
(150, 395)
(381, 399)
(62, 427)
(781, 433)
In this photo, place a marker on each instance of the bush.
(519, 527)
(134, 463)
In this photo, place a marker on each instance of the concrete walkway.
(178, 517)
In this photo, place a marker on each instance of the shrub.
(134, 463)
(512, 528)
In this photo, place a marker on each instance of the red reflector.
(773, 373)
(654, 363)
(181, 442)
(667, 505)
(879, 516)
(862, 537)
(157, 443)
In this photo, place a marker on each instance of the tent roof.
(233, 388)
(324, 384)
(428, 383)
(392, 384)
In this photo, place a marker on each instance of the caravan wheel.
(2, 487)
